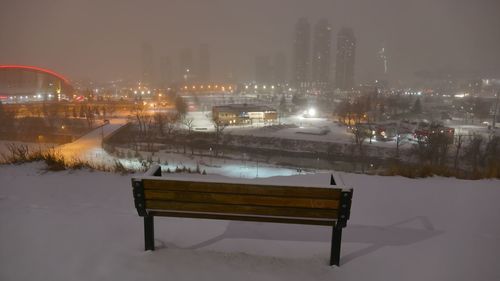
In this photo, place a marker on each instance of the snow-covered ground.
(311, 129)
(212, 165)
(81, 225)
(293, 127)
(88, 147)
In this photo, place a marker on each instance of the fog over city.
(101, 40)
(249, 140)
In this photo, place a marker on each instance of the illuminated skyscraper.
(301, 55)
(346, 53)
(321, 59)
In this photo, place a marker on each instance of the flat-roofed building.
(244, 114)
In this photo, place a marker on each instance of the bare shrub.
(120, 168)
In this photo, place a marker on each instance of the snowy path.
(88, 147)
(82, 225)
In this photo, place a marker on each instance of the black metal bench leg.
(336, 241)
(149, 233)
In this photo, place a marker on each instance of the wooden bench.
(244, 202)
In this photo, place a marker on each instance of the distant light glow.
(311, 112)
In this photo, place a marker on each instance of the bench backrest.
(217, 200)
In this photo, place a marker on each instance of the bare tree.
(433, 149)
(458, 146)
(89, 117)
(473, 152)
(481, 109)
(170, 123)
(111, 109)
(492, 157)
(219, 127)
(7, 119)
(188, 123)
(399, 140)
(51, 113)
(360, 135)
(180, 106)
(142, 117)
(343, 111)
(441, 148)
(160, 120)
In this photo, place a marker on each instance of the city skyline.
(423, 36)
(252, 140)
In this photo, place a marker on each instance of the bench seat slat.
(241, 209)
(249, 189)
(241, 199)
(243, 218)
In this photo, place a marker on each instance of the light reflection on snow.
(88, 148)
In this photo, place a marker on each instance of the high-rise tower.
(321, 59)
(346, 53)
(301, 56)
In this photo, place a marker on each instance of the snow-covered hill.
(82, 225)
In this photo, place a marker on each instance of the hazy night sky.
(101, 39)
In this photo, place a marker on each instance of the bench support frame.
(149, 240)
(335, 246)
(149, 233)
(344, 215)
